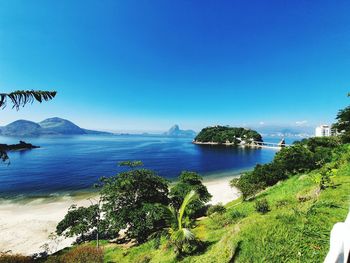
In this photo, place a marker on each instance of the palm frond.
(188, 199)
(22, 97)
(187, 234)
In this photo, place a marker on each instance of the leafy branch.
(22, 97)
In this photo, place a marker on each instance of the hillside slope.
(296, 229)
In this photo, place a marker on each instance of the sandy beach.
(25, 226)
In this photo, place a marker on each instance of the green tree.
(247, 185)
(81, 222)
(343, 124)
(220, 134)
(295, 159)
(187, 182)
(135, 201)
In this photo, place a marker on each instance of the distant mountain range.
(58, 126)
(175, 131)
(51, 126)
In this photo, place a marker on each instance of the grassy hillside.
(296, 228)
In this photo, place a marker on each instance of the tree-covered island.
(228, 136)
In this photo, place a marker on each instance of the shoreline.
(243, 145)
(25, 224)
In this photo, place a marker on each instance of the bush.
(282, 203)
(219, 209)
(235, 215)
(84, 254)
(295, 159)
(246, 185)
(144, 259)
(304, 156)
(7, 258)
(325, 180)
(262, 206)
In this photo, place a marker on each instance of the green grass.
(296, 229)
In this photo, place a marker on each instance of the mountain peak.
(58, 125)
(174, 128)
(21, 128)
(50, 126)
(175, 131)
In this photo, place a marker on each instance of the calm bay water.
(74, 163)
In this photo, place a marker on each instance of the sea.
(73, 164)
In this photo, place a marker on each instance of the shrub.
(235, 215)
(144, 259)
(295, 159)
(7, 258)
(281, 203)
(262, 206)
(325, 180)
(246, 185)
(84, 254)
(219, 209)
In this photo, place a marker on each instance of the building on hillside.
(323, 131)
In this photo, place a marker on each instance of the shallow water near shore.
(40, 185)
(70, 165)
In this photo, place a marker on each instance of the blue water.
(74, 163)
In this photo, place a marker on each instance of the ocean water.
(74, 163)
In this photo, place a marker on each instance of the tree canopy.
(221, 134)
(343, 124)
(304, 156)
(190, 181)
(79, 221)
(135, 201)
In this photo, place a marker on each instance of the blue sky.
(146, 65)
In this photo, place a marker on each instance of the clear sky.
(146, 65)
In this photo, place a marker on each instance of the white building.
(323, 131)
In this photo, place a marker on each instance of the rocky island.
(225, 135)
(18, 147)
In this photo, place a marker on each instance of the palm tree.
(181, 236)
(21, 98)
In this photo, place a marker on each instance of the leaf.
(20, 98)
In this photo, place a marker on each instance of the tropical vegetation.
(287, 222)
(291, 202)
(224, 134)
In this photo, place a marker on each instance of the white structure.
(339, 251)
(323, 131)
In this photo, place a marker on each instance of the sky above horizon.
(146, 65)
